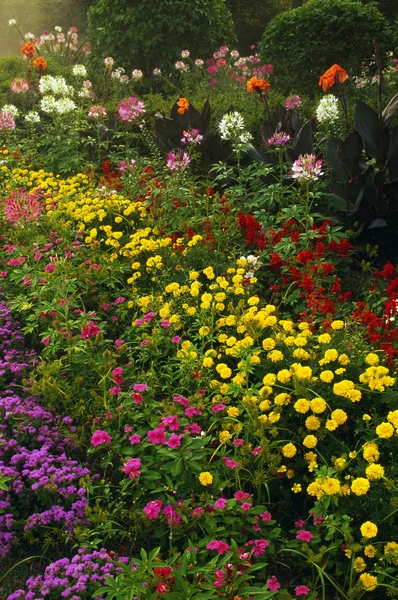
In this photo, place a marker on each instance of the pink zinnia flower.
(152, 509)
(90, 330)
(302, 590)
(273, 584)
(174, 440)
(240, 496)
(135, 439)
(117, 375)
(132, 467)
(100, 437)
(220, 503)
(218, 408)
(157, 436)
(304, 536)
(246, 506)
(140, 387)
(266, 516)
(220, 547)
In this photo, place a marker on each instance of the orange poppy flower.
(330, 76)
(40, 63)
(183, 105)
(258, 85)
(28, 49)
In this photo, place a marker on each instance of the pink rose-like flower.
(257, 450)
(302, 590)
(174, 440)
(220, 547)
(218, 408)
(266, 516)
(132, 467)
(157, 436)
(304, 536)
(298, 524)
(259, 546)
(90, 330)
(100, 437)
(140, 387)
(46, 341)
(273, 584)
(135, 439)
(240, 496)
(117, 375)
(220, 503)
(176, 339)
(246, 506)
(152, 509)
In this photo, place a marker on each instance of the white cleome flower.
(79, 71)
(56, 86)
(12, 109)
(328, 109)
(32, 117)
(12, 22)
(232, 126)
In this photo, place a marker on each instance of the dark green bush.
(10, 68)
(145, 34)
(304, 42)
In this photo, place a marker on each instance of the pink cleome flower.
(100, 437)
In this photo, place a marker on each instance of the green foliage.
(9, 69)
(303, 43)
(143, 34)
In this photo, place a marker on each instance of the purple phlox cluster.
(293, 102)
(307, 168)
(72, 578)
(191, 137)
(131, 109)
(279, 138)
(177, 160)
(13, 360)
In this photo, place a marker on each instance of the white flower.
(328, 109)
(12, 22)
(29, 36)
(55, 86)
(64, 105)
(79, 71)
(109, 62)
(185, 53)
(232, 127)
(12, 109)
(245, 137)
(307, 168)
(181, 66)
(199, 62)
(48, 104)
(58, 29)
(32, 117)
(157, 71)
(137, 74)
(234, 53)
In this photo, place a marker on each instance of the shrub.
(146, 34)
(304, 42)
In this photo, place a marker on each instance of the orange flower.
(330, 76)
(258, 85)
(40, 63)
(183, 105)
(28, 49)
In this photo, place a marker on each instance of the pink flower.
(115, 390)
(132, 467)
(157, 436)
(19, 86)
(46, 341)
(192, 411)
(165, 324)
(246, 506)
(117, 375)
(90, 330)
(176, 339)
(220, 576)
(238, 443)
(220, 503)
(273, 584)
(240, 496)
(119, 343)
(119, 300)
(266, 516)
(131, 109)
(135, 439)
(138, 398)
(181, 400)
(302, 590)
(220, 547)
(152, 509)
(218, 408)
(298, 524)
(259, 546)
(96, 112)
(304, 536)
(140, 387)
(230, 463)
(257, 450)
(174, 440)
(171, 422)
(100, 437)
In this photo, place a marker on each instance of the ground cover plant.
(198, 329)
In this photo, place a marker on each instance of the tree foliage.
(145, 34)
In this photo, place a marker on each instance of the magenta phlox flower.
(135, 439)
(140, 387)
(177, 160)
(273, 584)
(157, 436)
(171, 422)
(302, 590)
(174, 440)
(220, 503)
(90, 330)
(132, 467)
(117, 375)
(219, 546)
(181, 400)
(304, 536)
(218, 408)
(241, 496)
(258, 546)
(100, 437)
(266, 516)
(220, 578)
(152, 509)
(131, 109)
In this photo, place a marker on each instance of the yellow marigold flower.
(348, 553)
(324, 338)
(329, 356)
(300, 341)
(342, 388)
(374, 471)
(230, 320)
(337, 325)
(284, 376)
(331, 425)
(206, 478)
(275, 355)
(344, 359)
(225, 373)
(368, 529)
(393, 418)
(340, 416)
(370, 551)
(385, 430)
(288, 326)
(288, 341)
(310, 441)
(315, 489)
(372, 359)
(340, 463)
(318, 405)
(262, 419)
(331, 486)
(289, 450)
(233, 411)
(171, 287)
(270, 321)
(253, 301)
(297, 488)
(265, 405)
(273, 417)
(326, 376)
(269, 379)
(282, 399)
(209, 272)
(359, 564)
(366, 417)
(208, 362)
(369, 582)
(268, 344)
(352, 454)
(391, 550)
(312, 423)
(224, 437)
(193, 275)
(302, 373)
(203, 331)
(360, 486)
(302, 406)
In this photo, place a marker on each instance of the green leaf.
(369, 127)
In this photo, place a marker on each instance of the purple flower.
(131, 109)
(177, 160)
